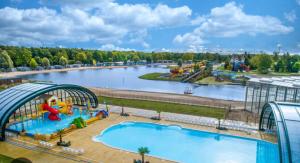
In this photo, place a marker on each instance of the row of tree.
(12, 56)
(265, 63)
(33, 57)
(285, 63)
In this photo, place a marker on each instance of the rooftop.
(290, 81)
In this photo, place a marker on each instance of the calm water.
(46, 126)
(127, 78)
(188, 146)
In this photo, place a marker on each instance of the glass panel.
(283, 143)
(294, 138)
(289, 112)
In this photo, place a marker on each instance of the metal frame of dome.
(286, 118)
(13, 98)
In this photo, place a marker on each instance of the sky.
(153, 25)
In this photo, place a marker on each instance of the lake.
(127, 79)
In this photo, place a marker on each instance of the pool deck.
(98, 152)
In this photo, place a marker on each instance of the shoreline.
(20, 73)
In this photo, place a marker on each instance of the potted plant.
(60, 133)
(159, 111)
(123, 112)
(142, 151)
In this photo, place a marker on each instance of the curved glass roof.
(13, 98)
(286, 118)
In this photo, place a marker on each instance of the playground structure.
(52, 107)
(238, 64)
(192, 72)
(31, 105)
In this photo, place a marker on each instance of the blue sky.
(153, 25)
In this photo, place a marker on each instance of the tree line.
(264, 63)
(13, 56)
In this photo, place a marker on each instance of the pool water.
(187, 145)
(45, 126)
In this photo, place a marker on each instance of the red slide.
(53, 112)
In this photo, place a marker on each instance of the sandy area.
(169, 97)
(17, 73)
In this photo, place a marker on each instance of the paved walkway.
(190, 119)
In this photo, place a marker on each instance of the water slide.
(191, 76)
(103, 112)
(53, 112)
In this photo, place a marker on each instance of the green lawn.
(166, 107)
(5, 159)
(211, 80)
(270, 74)
(158, 76)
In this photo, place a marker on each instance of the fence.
(190, 119)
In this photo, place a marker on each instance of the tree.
(33, 63)
(80, 56)
(45, 62)
(179, 62)
(142, 151)
(89, 58)
(5, 60)
(296, 66)
(97, 55)
(188, 56)
(279, 66)
(135, 58)
(254, 62)
(63, 61)
(23, 57)
(264, 63)
(148, 59)
(38, 60)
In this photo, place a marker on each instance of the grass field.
(166, 107)
(211, 80)
(5, 159)
(158, 76)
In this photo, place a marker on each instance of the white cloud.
(290, 16)
(230, 21)
(102, 21)
(198, 20)
(298, 1)
(111, 47)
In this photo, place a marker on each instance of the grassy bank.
(5, 159)
(166, 107)
(158, 76)
(211, 80)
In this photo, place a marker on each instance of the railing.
(189, 119)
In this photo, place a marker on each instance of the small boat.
(188, 90)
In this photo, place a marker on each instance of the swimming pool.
(187, 145)
(45, 126)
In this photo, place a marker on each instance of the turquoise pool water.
(187, 145)
(46, 126)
